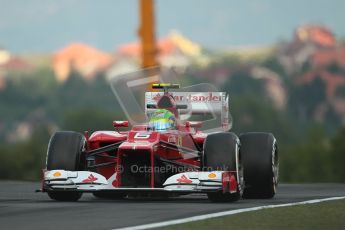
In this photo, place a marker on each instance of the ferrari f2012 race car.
(166, 155)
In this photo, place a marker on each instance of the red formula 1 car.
(166, 155)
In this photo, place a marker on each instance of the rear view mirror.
(119, 124)
(194, 124)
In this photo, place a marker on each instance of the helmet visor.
(160, 125)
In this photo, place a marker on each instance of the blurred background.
(283, 63)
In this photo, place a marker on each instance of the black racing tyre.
(110, 195)
(221, 152)
(64, 152)
(65, 195)
(260, 164)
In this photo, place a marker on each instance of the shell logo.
(57, 174)
(212, 175)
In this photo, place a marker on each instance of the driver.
(162, 120)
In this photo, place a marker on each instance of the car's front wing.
(186, 182)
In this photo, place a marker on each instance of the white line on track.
(224, 213)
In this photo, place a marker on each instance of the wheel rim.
(239, 171)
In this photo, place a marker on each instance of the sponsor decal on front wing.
(90, 179)
(184, 179)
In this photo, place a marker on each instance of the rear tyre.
(221, 152)
(64, 152)
(260, 162)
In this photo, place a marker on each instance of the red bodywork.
(141, 147)
(140, 141)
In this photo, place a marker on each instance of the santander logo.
(90, 179)
(184, 179)
(192, 97)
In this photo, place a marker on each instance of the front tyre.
(65, 196)
(221, 152)
(261, 165)
(64, 152)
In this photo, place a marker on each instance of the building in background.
(86, 60)
(9, 62)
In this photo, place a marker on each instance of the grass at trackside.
(326, 215)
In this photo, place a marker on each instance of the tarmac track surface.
(22, 208)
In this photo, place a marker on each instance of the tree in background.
(25, 160)
(337, 156)
(308, 161)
